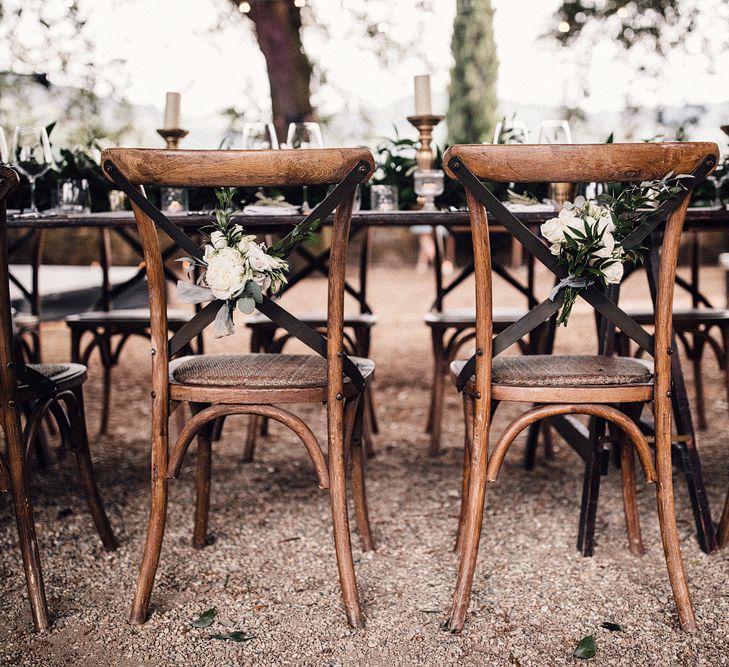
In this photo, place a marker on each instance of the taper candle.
(172, 111)
(423, 105)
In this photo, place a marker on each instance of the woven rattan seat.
(50, 370)
(683, 317)
(566, 371)
(257, 371)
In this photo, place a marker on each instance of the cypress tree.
(472, 91)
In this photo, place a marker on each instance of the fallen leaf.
(235, 636)
(586, 649)
(613, 627)
(205, 619)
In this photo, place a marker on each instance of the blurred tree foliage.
(472, 92)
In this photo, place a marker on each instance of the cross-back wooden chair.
(256, 384)
(38, 390)
(606, 388)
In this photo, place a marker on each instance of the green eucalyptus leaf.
(205, 619)
(586, 648)
(246, 305)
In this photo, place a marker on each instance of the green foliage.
(235, 636)
(205, 619)
(472, 91)
(586, 648)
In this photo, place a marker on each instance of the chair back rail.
(212, 168)
(579, 163)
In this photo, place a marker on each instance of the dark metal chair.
(38, 390)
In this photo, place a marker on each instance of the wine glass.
(555, 132)
(31, 156)
(4, 158)
(511, 132)
(304, 135)
(259, 136)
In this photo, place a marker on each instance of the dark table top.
(707, 219)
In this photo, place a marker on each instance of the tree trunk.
(278, 26)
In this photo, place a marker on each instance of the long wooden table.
(698, 219)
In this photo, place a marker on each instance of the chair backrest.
(131, 168)
(574, 163)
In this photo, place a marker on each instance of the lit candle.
(423, 105)
(172, 111)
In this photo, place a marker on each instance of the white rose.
(257, 257)
(608, 245)
(226, 274)
(245, 243)
(218, 240)
(555, 248)
(553, 230)
(262, 280)
(613, 273)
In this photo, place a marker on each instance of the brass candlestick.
(172, 136)
(424, 157)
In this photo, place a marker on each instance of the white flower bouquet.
(586, 236)
(235, 268)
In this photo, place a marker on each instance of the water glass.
(73, 196)
(383, 197)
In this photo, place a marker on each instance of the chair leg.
(530, 452)
(357, 463)
(202, 483)
(472, 524)
(630, 500)
(669, 534)
(25, 522)
(249, 446)
(106, 365)
(725, 350)
(155, 529)
(86, 473)
(591, 489)
(370, 423)
(722, 533)
(696, 358)
(468, 415)
(436, 416)
(340, 519)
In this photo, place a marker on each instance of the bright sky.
(173, 45)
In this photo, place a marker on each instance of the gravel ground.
(270, 570)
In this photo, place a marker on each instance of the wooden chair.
(107, 328)
(28, 322)
(451, 329)
(612, 389)
(41, 389)
(255, 384)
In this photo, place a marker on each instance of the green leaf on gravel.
(586, 649)
(235, 636)
(205, 619)
(613, 627)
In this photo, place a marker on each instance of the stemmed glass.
(259, 136)
(31, 156)
(304, 135)
(511, 132)
(4, 158)
(555, 132)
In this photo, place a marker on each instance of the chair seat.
(64, 375)
(258, 371)
(25, 322)
(578, 378)
(467, 317)
(684, 317)
(314, 320)
(131, 316)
